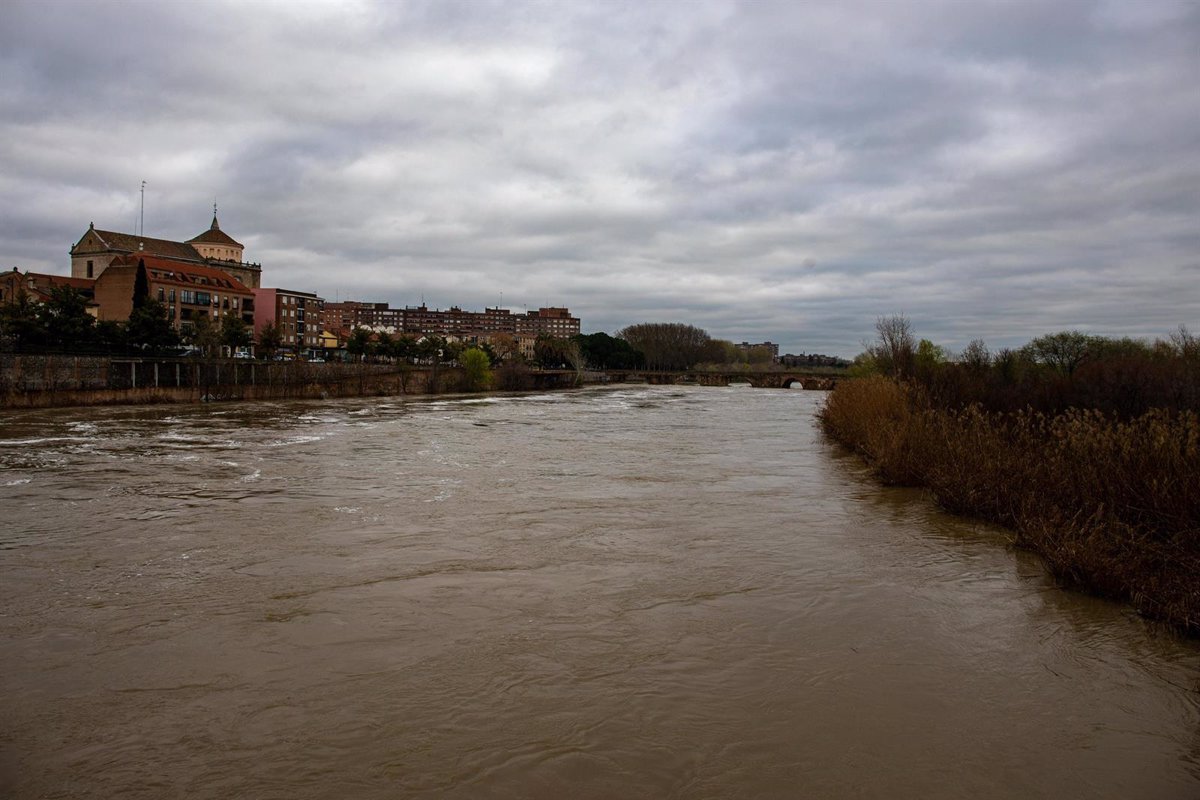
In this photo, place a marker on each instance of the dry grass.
(1113, 505)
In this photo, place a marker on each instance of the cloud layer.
(765, 171)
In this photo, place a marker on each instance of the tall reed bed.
(1111, 503)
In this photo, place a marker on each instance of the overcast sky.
(785, 171)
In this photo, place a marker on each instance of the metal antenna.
(142, 224)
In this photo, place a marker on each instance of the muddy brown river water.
(626, 593)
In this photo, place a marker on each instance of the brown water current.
(638, 592)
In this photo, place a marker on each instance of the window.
(91, 266)
(172, 296)
(188, 296)
(203, 298)
(162, 295)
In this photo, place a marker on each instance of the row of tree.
(1050, 373)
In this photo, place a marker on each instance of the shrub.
(1111, 500)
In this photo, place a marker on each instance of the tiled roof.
(83, 284)
(184, 273)
(41, 283)
(129, 243)
(214, 235)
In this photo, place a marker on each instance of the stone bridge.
(762, 380)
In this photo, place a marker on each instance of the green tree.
(452, 351)
(19, 323)
(404, 348)
(430, 349)
(235, 333)
(608, 352)
(359, 343)
(141, 285)
(111, 336)
(929, 355)
(759, 355)
(270, 339)
(64, 320)
(384, 345)
(205, 335)
(478, 368)
(149, 329)
(721, 352)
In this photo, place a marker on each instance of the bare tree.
(1185, 343)
(976, 355)
(667, 345)
(1063, 351)
(894, 352)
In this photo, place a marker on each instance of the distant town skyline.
(767, 171)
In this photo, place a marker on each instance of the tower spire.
(214, 226)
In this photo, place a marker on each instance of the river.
(634, 592)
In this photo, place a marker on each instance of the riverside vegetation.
(1087, 449)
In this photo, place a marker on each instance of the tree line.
(1050, 373)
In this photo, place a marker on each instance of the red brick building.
(421, 320)
(299, 316)
(190, 291)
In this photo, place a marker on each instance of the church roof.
(214, 235)
(129, 243)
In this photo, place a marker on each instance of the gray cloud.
(765, 171)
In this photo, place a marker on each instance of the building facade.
(344, 317)
(746, 347)
(189, 291)
(299, 315)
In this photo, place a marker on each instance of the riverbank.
(55, 381)
(1112, 505)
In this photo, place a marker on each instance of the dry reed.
(1112, 504)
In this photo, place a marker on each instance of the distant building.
(812, 360)
(299, 316)
(343, 317)
(746, 347)
(553, 321)
(96, 250)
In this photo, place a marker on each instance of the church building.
(213, 248)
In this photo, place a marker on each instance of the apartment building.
(299, 315)
(190, 291)
(424, 321)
